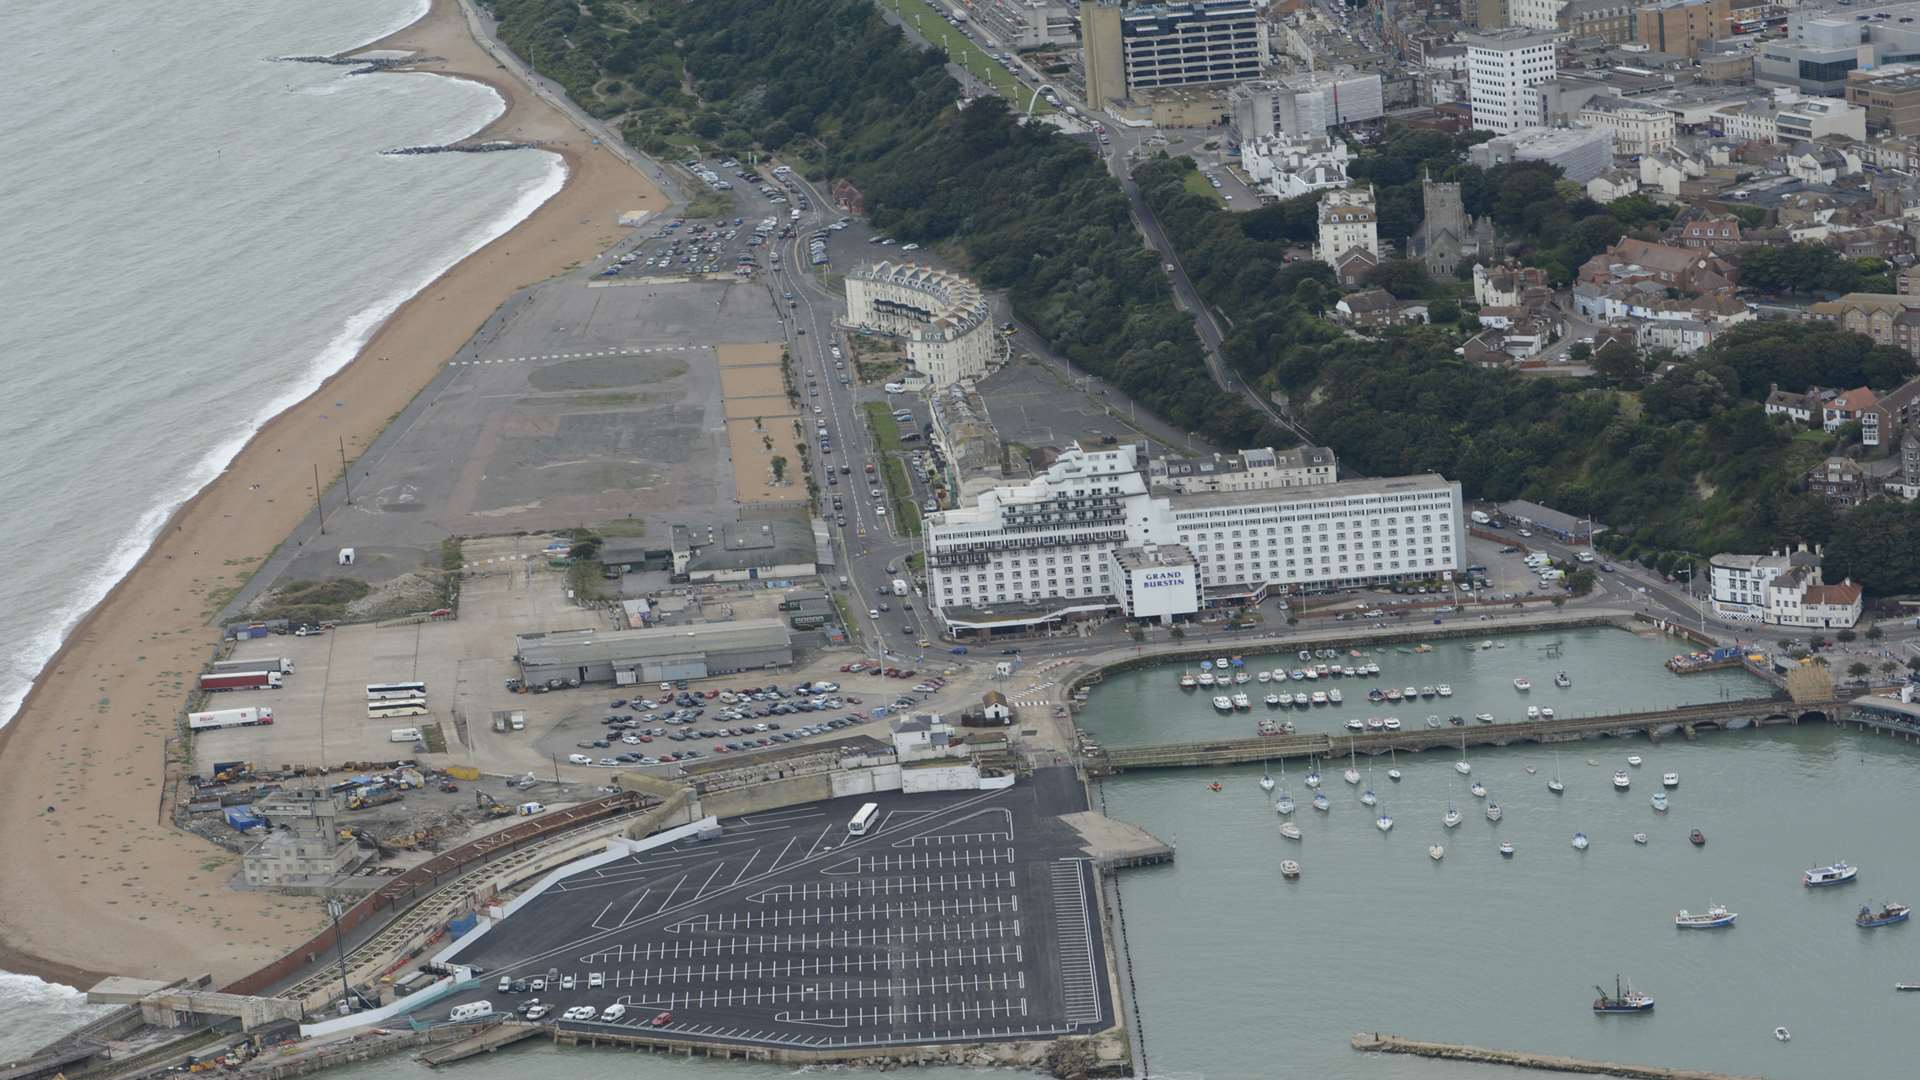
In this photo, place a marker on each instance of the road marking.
(1080, 988)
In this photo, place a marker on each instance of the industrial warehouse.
(623, 657)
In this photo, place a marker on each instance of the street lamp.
(335, 908)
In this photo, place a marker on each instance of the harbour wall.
(1376, 1043)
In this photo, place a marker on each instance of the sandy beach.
(97, 882)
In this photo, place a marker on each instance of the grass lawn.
(967, 54)
(880, 418)
(1197, 184)
(900, 491)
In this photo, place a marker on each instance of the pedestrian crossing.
(578, 355)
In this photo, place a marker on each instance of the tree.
(1874, 633)
(1580, 352)
(779, 464)
(1581, 581)
(1887, 669)
(1858, 670)
(1844, 636)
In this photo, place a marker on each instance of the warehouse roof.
(563, 647)
(751, 545)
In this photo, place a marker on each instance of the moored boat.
(1485, 717)
(1264, 676)
(1289, 869)
(1187, 681)
(1837, 874)
(1319, 697)
(1301, 699)
(1436, 852)
(1391, 723)
(1580, 841)
(1628, 1000)
(1444, 690)
(1697, 838)
(1376, 695)
(1241, 701)
(1393, 694)
(1546, 712)
(1205, 679)
(1562, 680)
(1368, 798)
(1506, 849)
(1313, 772)
(1671, 779)
(1639, 838)
(1477, 789)
(1523, 684)
(1461, 766)
(1273, 701)
(1493, 810)
(1783, 1034)
(1384, 821)
(1634, 760)
(1715, 917)
(1284, 805)
(1289, 830)
(1223, 703)
(1533, 712)
(1886, 916)
(1433, 721)
(1266, 778)
(1334, 697)
(1320, 801)
(1426, 691)
(1621, 780)
(1659, 802)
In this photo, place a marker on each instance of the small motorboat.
(1546, 712)
(1376, 695)
(1671, 779)
(1634, 760)
(1223, 703)
(1427, 691)
(1837, 874)
(1697, 838)
(1393, 695)
(1715, 917)
(1443, 690)
(1562, 680)
(1478, 789)
(1205, 679)
(1356, 724)
(1215, 786)
(1273, 701)
(1296, 675)
(1319, 697)
(1621, 780)
(1486, 644)
(1334, 697)
(1306, 654)
(1289, 869)
(1320, 801)
(1627, 1001)
(1659, 802)
(1188, 682)
(1284, 805)
(1436, 852)
(1373, 668)
(1289, 830)
(1391, 723)
(1533, 712)
(1368, 798)
(1433, 721)
(1266, 779)
(1322, 670)
(1783, 1034)
(1240, 701)
(1264, 676)
(1506, 849)
(1639, 838)
(1241, 678)
(1383, 822)
(1410, 693)
(1485, 717)
(1493, 810)
(1301, 699)
(1580, 841)
(1523, 684)
(1886, 916)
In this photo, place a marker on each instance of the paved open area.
(960, 916)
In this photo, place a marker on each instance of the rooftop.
(1393, 485)
(598, 646)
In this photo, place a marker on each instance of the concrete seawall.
(1374, 1042)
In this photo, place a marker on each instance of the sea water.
(194, 237)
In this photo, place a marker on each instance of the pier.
(484, 1041)
(1687, 720)
(1376, 1043)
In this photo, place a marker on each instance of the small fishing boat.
(1621, 780)
(1783, 1034)
(1622, 1001)
(1289, 830)
(1562, 680)
(1241, 678)
(1384, 821)
(1205, 679)
(1368, 798)
(1334, 697)
(1391, 723)
(1433, 721)
(1320, 801)
(1546, 712)
(1477, 789)
(1322, 670)
(1373, 668)
(1356, 724)
(1393, 765)
(1296, 675)
(1639, 838)
(1485, 717)
(1523, 684)
(1264, 676)
(1393, 695)
(1697, 838)
(1310, 674)
(1306, 654)
(1289, 869)
(1436, 852)
(1634, 760)
(1241, 701)
(1715, 917)
(1533, 712)
(1444, 690)
(1886, 916)
(1461, 766)
(1187, 681)
(1410, 693)
(1486, 644)
(1319, 697)
(1506, 849)
(1301, 699)
(1493, 810)
(1266, 778)
(1659, 802)
(1313, 772)
(1837, 874)
(1273, 701)
(1223, 703)
(1215, 786)
(1580, 841)
(1376, 695)
(1671, 779)
(1427, 691)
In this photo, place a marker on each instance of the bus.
(863, 820)
(384, 710)
(379, 690)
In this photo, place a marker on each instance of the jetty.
(361, 65)
(1376, 1043)
(463, 148)
(486, 1040)
(1656, 724)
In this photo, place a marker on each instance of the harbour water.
(196, 236)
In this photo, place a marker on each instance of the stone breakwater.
(1374, 1042)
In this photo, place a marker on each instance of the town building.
(748, 551)
(1826, 41)
(1446, 235)
(1638, 128)
(1348, 238)
(1682, 26)
(1891, 98)
(1887, 318)
(1028, 24)
(1029, 555)
(1509, 285)
(1535, 14)
(1502, 69)
(943, 318)
(1781, 589)
(969, 445)
(1906, 483)
(1793, 119)
(1839, 480)
(1631, 260)
(1148, 47)
(1579, 153)
(1286, 167)
(1249, 470)
(1710, 232)
(625, 657)
(303, 850)
(1610, 21)
(1305, 103)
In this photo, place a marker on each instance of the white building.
(1580, 153)
(1788, 118)
(1637, 128)
(1250, 470)
(1503, 67)
(1158, 582)
(1285, 168)
(1026, 24)
(1306, 103)
(1781, 589)
(944, 317)
(1349, 234)
(1535, 14)
(1192, 43)
(1030, 554)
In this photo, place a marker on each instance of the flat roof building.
(1580, 153)
(746, 551)
(1503, 67)
(1156, 46)
(659, 654)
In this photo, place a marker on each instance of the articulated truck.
(242, 680)
(225, 718)
(281, 664)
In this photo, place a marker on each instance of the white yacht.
(1493, 810)
(1444, 690)
(1273, 701)
(1266, 778)
(1633, 760)
(1223, 702)
(1436, 852)
(1621, 780)
(1671, 779)
(1659, 802)
(1334, 696)
(1477, 789)
(1384, 821)
(1289, 830)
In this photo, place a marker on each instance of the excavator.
(491, 806)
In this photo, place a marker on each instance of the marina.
(1614, 903)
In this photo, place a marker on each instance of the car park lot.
(961, 916)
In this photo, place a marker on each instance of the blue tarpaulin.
(243, 818)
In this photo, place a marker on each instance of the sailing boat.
(1352, 775)
(1320, 801)
(1452, 816)
(1554, 785)
(1461, 766)
(1384, 821)
(1367, 797)
(1284, 805)
(1393, 766)
(1266, 778)
(1313, 772)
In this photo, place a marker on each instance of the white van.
(613, 1012)
(528, 809)
(579, 759)
(472, 1010)
(404, 734)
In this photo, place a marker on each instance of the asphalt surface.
(960, 917)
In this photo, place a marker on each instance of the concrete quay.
(1376, 1043)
